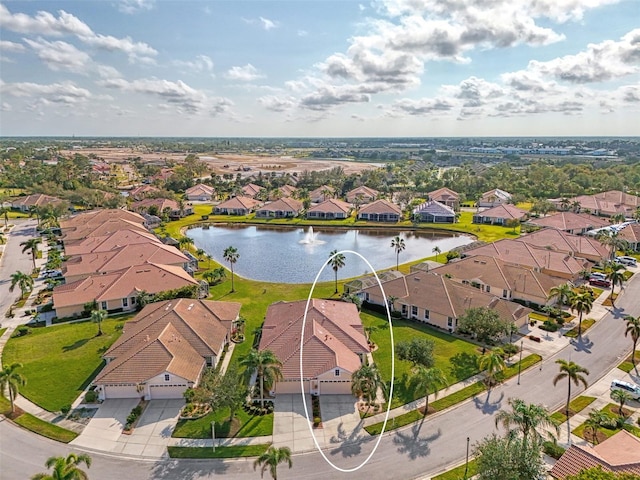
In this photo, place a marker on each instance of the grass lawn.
(627, 365)
(221, 452)
(611, 410)
(458, 472)
(2, 330)
(457, 358)
(586, 324)
(575, 406)
(244, 425)
(45, 429)
(59, 361)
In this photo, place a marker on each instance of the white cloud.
(421, 107)
(277, 103)
(302, 33)
(5, 107)
(65, 93)
(135, 6)
(11, 47)
(248, 73)
(202, 63)
(268, 24)
(331, 96)
(59, 55)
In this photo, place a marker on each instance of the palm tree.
(209, 258)
(573, 373)
(265, 364)
(399, 245)
(562, 293)
(200, 253)
(336, 260)
(616, 275)
(271, 459)
(622, 397)
(597, 419)
(4, 211)
(65, 468)
(96, 317)
(23, 281)
(527, 419)
(633, 329)
(12, 381)
(493, 363)
(31, 245)
(185, 242)
(365, 383)
(437, 251)
(231, 255)
(239, 324)
(428, 379)
(581, 303)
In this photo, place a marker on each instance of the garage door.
(335, 388)
(121, 391)
(290, 387)
(167, 391)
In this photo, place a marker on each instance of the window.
(488, 288)
(336, 372)
(125, 302)
(366, 297)
(449, 322)
(505, 293)
(133, 300)
(426, 314)
(103, 305)
(166, 377)
(404, 309)
(414, 310)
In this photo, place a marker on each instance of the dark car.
(599, 282)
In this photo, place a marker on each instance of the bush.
(549, 326)
(552, 449)
(65, 409)
(510, 349)
(316, 421)
(188, 394)
(91, 396)
(131, 418)
(451, 255)
(22, 331)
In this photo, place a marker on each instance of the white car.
(631, 388)
(629, 261)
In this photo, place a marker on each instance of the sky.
(320, 68)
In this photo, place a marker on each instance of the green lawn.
(59, 361)
(457, 358)
(609, 410)
(587, 323)
(2, 330)
(45, 429)
(249, 426)
(627, 365)
(458, 472)
(575, 406)
(221, 452)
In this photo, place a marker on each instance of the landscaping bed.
(610, 410)
(586, 325)
(220, 452)
(243, 425)
(575, 406)
(627, 365)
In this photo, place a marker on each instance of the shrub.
(137, 410)
(22, 331)
(316, 421)
(552, 449)
(188, 394)
(91, 396)
(549, 326)
(65, 409)
(560, 320)
(131, 418)
(451, 255)
(510, 349)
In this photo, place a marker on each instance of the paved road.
(404, 454)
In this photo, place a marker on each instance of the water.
(294, 255)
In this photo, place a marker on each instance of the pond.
(294, 255)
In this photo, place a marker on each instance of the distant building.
(380, 211)
(446, 196)
(236, 206)
(494, 197)
(330, 209)
(500, 215)
(200, 192)
(362, 194)
(434, 212)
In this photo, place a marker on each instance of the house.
(200, 192)
(252, 190)
(440, 301)
(570, 222)
(98, 229)
(544, 260)
(380, 211)
(236, 206)
(575, 245)
(330, 209)
(109, 241)
(334, 345)
(282, 192)
(98, 217)
(282, 208)
(619, 453)
(631, 233)
(163, 206)
(607, 203)
(25, 204)
(434, 212)
(446, 196)
(500, 215)
(85, 265)
(322, 193)
(504, 280)
(118, 291)
(362, 194)
(143, 191)
(493, 198)
(165, 347)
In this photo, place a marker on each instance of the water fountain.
(311, 238)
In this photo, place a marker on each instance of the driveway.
(105, 428)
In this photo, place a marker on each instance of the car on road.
(599, 282)
(631, 388)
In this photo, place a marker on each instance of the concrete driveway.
(105, 428)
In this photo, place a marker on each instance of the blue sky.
(320, 68)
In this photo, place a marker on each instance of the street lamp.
(520, 361)
(466, 463)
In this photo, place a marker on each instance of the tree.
(437, 251)
(336, 260)
(418, 351)
(512, 223)
(484, 324)
(97, 316)
(573, 373)
(23, 281)
(398, 244)
(596, 473)
(508, 459)
(365, 383)
(562, 293)
(581, 303)
(622, 397)
(596, 420)
(492, 363)
(65, 468)
(633, 329)
(185, 242)
(231, 255)
(215, 276)
(615, 274)
(266, 366)
(12, 381)
(527, 418)
(270, 460)
(428, 380)
(32, 246)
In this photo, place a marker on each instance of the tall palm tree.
(492, 363)
(633, 329)
(65, 468)
(398, 244)
(622, 397)
(32, 246)
(365, 383)
(23, 281)
(270, 460)
(265, 364)
(527, 418)
(97, 316)
(200, 253)
(574, 374)
(437, 251)
(616, 275)
(596, 420)
(428, 379)
(12, 381)
(185, 242)
(581, 303)
(562, 293)
(336, 260)
(231, 255)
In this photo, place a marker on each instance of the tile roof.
(496, 193)
(318, 192)
(331, 205)
(630, 233)
(97, 217)
(236, 203)
(333, 336)
(142, 190)
(287, 190)
(95, 229)
(199, 189)
(104, 243)
(578, 245)
(36, 200)
(444, 194)
(380, 206)
(435, 208)
(284, 204)
(570, 221)
(363, 190)
(252, 189)
(506, 211)
(159, 203)
(609, 203)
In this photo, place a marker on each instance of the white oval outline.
(304, 401)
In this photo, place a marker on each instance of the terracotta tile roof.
(142, 191)
(630, 233)
(167, 351)
(251, 189)
(123, 257)
(97, 217)
(506, 211)
(159, 203)
(380, 206)
(558, 240)
(495, 194)
(619, 453)
(331, 205)
(609, 203)
(318, 192)
(94, 229)
(333, 336)
(36, 200)
(199, 189)
(104, 243)
(236, 203)
(570, 221)
(287, 190)
(444, 194)
(122, 283)
(284, 204)
(366, 193)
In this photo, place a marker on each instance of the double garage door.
(167, 391)
(156, 391)
(335, 387)
(121, 391)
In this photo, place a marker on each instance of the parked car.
(599, 282)
(597, 275)
(52, 274)
(631, 388)
(629, 261)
